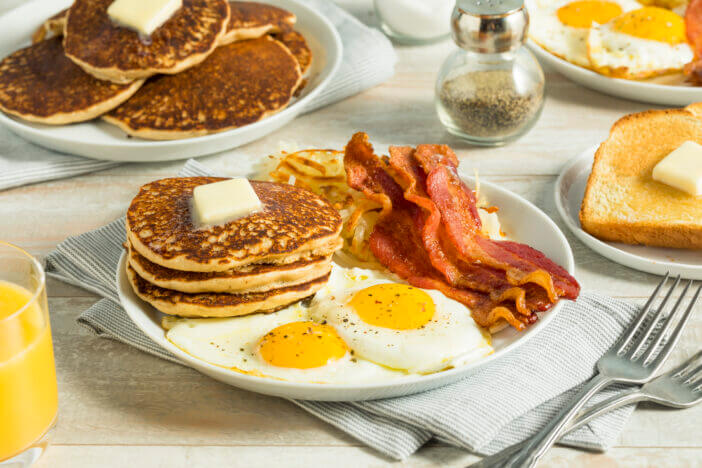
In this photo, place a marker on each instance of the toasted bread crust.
(622, 203)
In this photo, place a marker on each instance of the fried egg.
(397, 325)
(561, 26)
(639, 44)
(284, 345)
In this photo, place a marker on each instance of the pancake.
(51, 27)
(39, 84)
(249, 279)
(295, 224)
(238, 84)
(250, 20)
(297, 45)
(220, 305)
(118, 54)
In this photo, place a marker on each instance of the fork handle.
(626, 397)
(546, 437)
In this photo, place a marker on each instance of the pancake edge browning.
(243, 33)
(123, 76)
(304, 226)
(81, 114)
(259, 278)
(156, 134)
(265, 302)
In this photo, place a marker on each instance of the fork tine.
(695, 374)
(666, 326)
(624, 341)
(675, 335)
(684, 369)
(641, 341)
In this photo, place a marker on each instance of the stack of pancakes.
(213, 66)
(259, 263)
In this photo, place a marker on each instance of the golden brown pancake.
(51, 27)
(118, 54)
(250, 20)
(294, 224)
(220, 305)
(238, 84)
(297, 45)
(247, 279)
(39, 84)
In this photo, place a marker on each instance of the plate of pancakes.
(324, 294)
(215, 76)
(625, 48)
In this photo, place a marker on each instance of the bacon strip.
(397, 243)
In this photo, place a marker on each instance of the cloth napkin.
(368, 60)
(502, 404)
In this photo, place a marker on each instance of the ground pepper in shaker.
(490, 91)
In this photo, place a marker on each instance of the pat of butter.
(682, 168)
(225, 201)
(143, 16)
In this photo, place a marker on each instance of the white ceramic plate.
(570, 190)
(100, 140)
(668, 90)
(521, 221)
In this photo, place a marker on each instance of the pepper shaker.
(490, 91)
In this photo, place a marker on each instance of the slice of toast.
(623, 203)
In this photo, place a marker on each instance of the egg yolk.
(653, 23)
(395, 306)
(301, 345)
(582, 14)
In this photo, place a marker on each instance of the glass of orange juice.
(28, 395)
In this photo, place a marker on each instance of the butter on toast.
(623, 203)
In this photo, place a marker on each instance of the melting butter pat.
(682, 168)
(143, 16)
(225, 201)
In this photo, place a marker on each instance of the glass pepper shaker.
(491, 90)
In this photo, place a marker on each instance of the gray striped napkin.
(504, 403)
(368, 60)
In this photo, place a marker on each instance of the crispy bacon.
(457, 271)
(429, 234)
(397, 243)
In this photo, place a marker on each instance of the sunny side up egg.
(284, 345)
(364, 326)
(561, 26)
(397, 325)
(642, 43)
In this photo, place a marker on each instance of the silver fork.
(633, 359)
(678, 388)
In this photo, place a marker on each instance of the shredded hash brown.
(322, 172)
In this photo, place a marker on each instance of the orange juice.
(28, 395)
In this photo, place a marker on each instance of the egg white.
(233, 343)
(624, 56)
(563, 41)
(450, 339)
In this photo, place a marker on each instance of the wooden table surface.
(120, 407)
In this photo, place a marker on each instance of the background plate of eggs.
(619, 47)
(352, 340)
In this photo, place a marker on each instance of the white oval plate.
(667, 90)
(569, 193)
(521, 220)
(99, 140)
